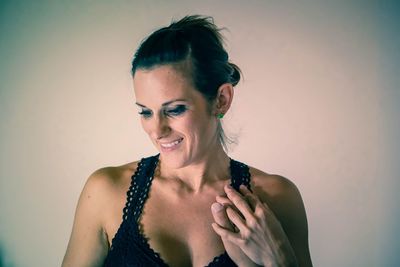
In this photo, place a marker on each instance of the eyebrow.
(164, 104)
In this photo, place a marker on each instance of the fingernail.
(228, 186)
(216, 207)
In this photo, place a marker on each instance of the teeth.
(172, 144)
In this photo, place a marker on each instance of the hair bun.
(235, 74)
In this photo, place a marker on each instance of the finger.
(220, 216)
(244, 189)
(251, 198)
(238, 221)
(239, 202)
(266, 215)
(264, 209)
(228, 235)
(261, 210)
(248, 193)
(224, 201)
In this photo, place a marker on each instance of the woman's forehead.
(163, 84)
(163, 73)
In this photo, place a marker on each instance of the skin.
(190, 183)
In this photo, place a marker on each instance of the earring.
(220, 115)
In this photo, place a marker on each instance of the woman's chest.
(180, 231)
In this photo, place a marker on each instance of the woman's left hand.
(260, 235)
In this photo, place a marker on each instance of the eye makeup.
(171, 112)
(178, 110)
(145, 113)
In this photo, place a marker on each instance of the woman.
(191, 204)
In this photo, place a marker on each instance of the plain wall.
(319, 104)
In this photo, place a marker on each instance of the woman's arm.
(88, 244)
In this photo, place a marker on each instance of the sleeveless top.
(129, 247)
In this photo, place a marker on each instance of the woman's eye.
(145, 113)
(176, 111)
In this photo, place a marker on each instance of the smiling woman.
(183, 125)
(191, 204)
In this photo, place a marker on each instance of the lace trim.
(240, 174)
(223, 258)
(130, 194)
(138, 227)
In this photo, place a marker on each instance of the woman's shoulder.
(112, 176)
(273, 185)
(113, 173)
(108, 181)
(280, 193)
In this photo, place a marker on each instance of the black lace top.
(129, 247)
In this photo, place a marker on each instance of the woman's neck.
(212, 167)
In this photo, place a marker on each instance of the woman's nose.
(161, 127)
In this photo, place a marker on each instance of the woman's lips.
(171, 145)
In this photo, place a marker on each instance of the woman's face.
(174, 115)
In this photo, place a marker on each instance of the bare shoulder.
(106, 189)
(112, 174)
(269, 186)
(112, 179)
(280, 194)
(104, 194)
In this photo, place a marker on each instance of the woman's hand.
(220, 217)
(253, 228)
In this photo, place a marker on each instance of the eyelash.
(145, 113)
(172, 112)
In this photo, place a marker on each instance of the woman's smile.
(170, 146)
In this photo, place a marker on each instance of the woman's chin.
(173, 159)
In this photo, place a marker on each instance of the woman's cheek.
(145, 126)
(188, 124)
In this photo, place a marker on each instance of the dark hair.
(196, 44)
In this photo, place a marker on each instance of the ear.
(224, 98)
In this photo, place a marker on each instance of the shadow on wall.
(3, 262)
